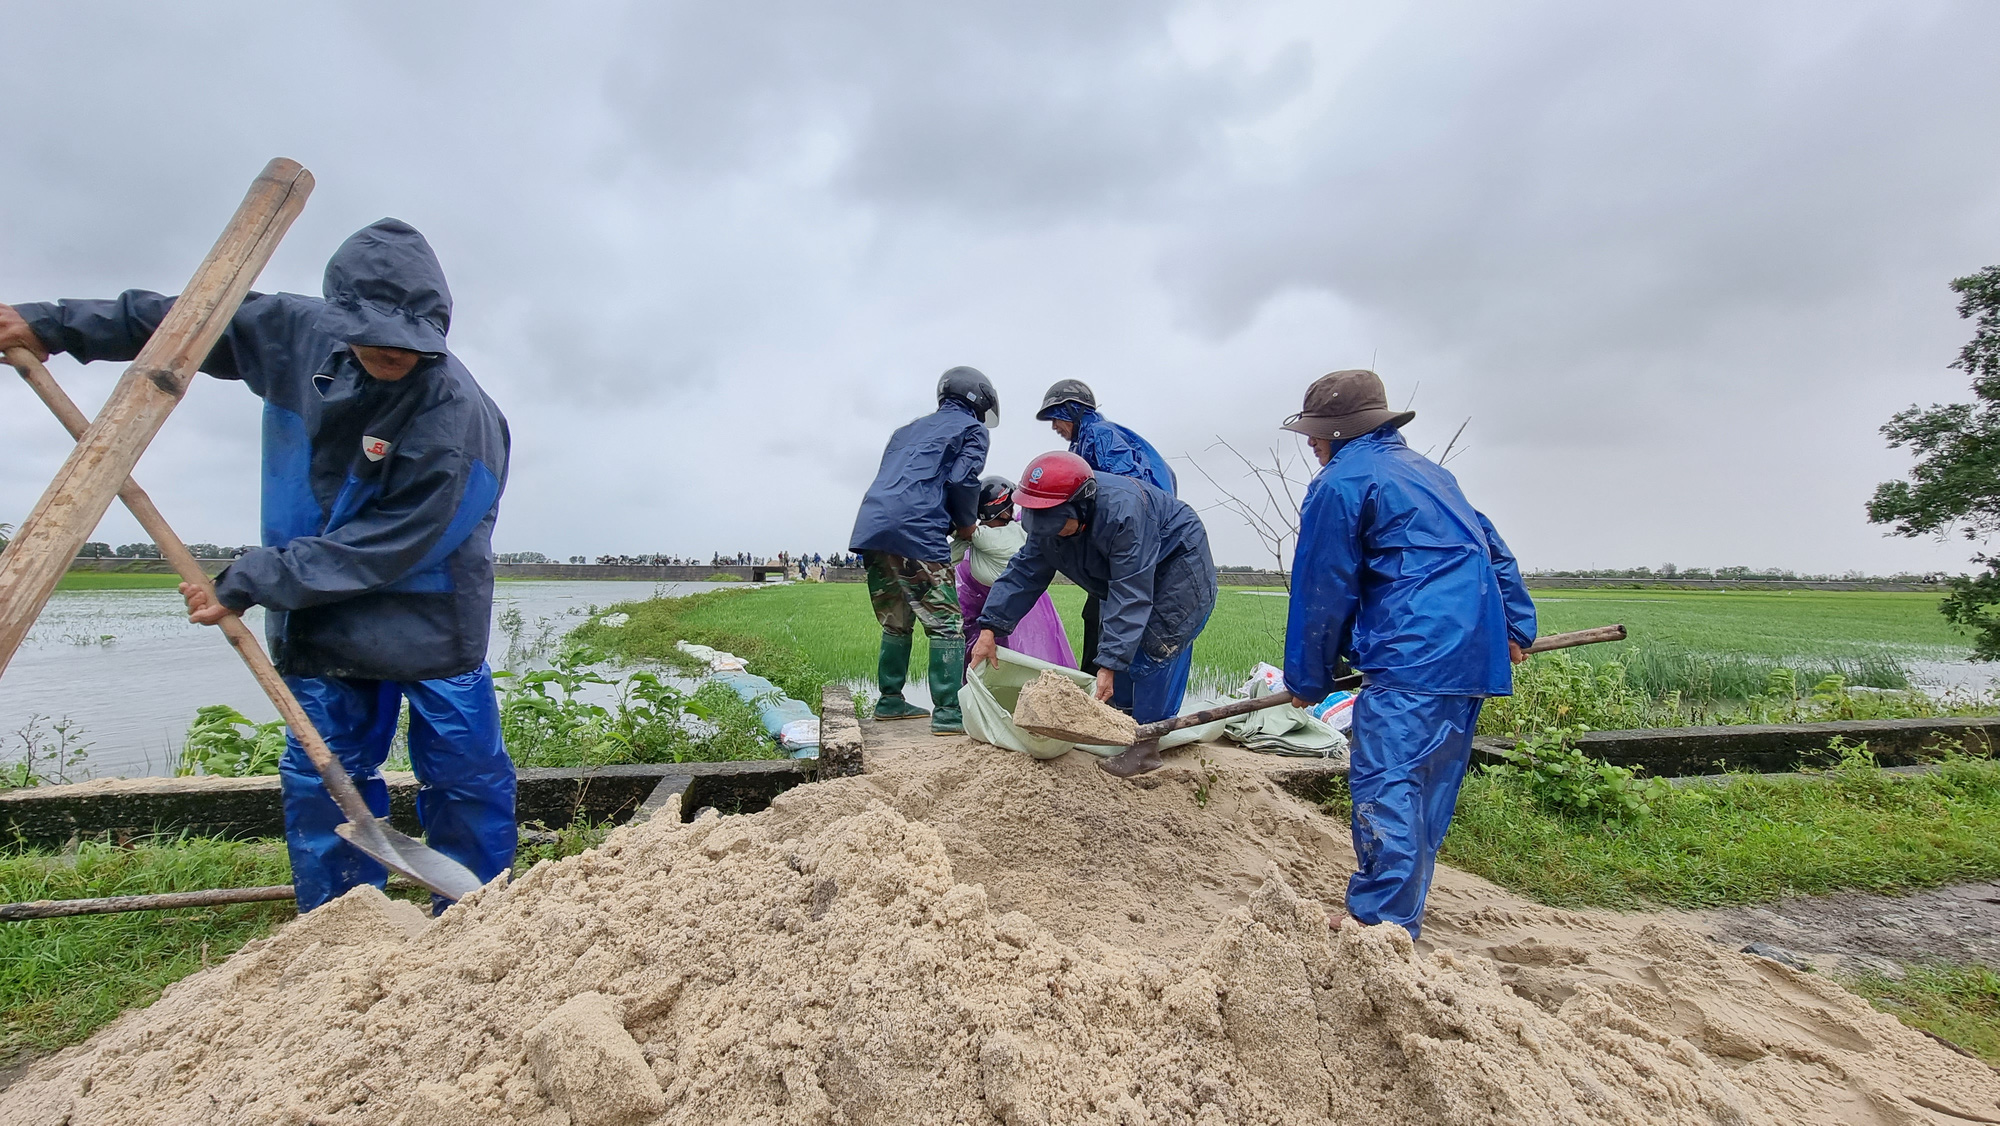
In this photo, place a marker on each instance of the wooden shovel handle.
(1239, 707)
(338, 784)
(1210, 715)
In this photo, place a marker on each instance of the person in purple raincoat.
(982, 558)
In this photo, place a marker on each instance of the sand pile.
(1053, 705)
(1135, 955)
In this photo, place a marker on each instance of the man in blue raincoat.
(925, 491)
(1070, 408)
(1144, 553)
(383, 467)
(1397, 575)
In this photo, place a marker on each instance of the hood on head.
(384, 287)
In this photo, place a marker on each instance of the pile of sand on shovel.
(824, 962)
(1056, 702)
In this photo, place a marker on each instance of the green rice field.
(1686, 647)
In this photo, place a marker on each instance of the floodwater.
(126, 668)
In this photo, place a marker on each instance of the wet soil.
(1858, 931)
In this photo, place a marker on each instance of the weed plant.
(223, 741)
(548, 719)
(43, 751)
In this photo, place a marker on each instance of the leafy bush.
(1560, 690)
(1549, 768)
(547, 719)
(224, 742)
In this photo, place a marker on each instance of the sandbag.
(989, 696)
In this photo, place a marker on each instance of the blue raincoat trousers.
(1397, 575)
(379, 499)
(465, 795)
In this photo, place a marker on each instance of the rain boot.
(947, 675)
(892, 668)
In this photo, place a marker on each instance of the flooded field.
(125, 671)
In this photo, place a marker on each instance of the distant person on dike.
(1397, 575)
(383, 467)
(982, 558)
(1070, 408)
(1141, 552)
(926, 491)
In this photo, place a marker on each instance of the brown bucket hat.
(1346, 404)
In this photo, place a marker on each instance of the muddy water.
(126, 666)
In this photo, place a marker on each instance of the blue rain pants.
(1153, 688)
(465, 795)
(1408, 756)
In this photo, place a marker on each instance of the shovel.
(1144, 753)
(396, 851)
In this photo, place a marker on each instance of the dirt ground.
(1858, 931)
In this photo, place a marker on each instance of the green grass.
(117, 580)
(1695, 657)
(60, 979)
(1959, 1003)
(1782, 624)
(1751, 840)
(63, 979)
(813, 633)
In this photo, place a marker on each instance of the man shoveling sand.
(976, 937)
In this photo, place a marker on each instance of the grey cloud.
(707, 256)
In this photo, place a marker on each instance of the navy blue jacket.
(1399, 574)
(379, 498)
(1119, 449)
(928, 484)
(1143, 554)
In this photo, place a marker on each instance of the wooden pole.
(401, 854)
(75, 501)
(165, 901)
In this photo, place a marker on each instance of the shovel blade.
(411, 858)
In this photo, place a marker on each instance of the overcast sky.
(1676, 263)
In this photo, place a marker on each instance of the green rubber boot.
(947, 675)
(892, 668)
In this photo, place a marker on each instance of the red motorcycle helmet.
(1052, 479)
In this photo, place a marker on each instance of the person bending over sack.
(383, 467)
(994, 543)
(1397, 575)
(1143, 553)
(925, 492)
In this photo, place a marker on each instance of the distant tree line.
(1748, 574)
(98, 550)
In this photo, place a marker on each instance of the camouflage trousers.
(908, 591)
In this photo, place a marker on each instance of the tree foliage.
(1956, 481)
(1955, 484)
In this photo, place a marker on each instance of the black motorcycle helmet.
(996, 498)
(971, 387)
(1066, 391)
